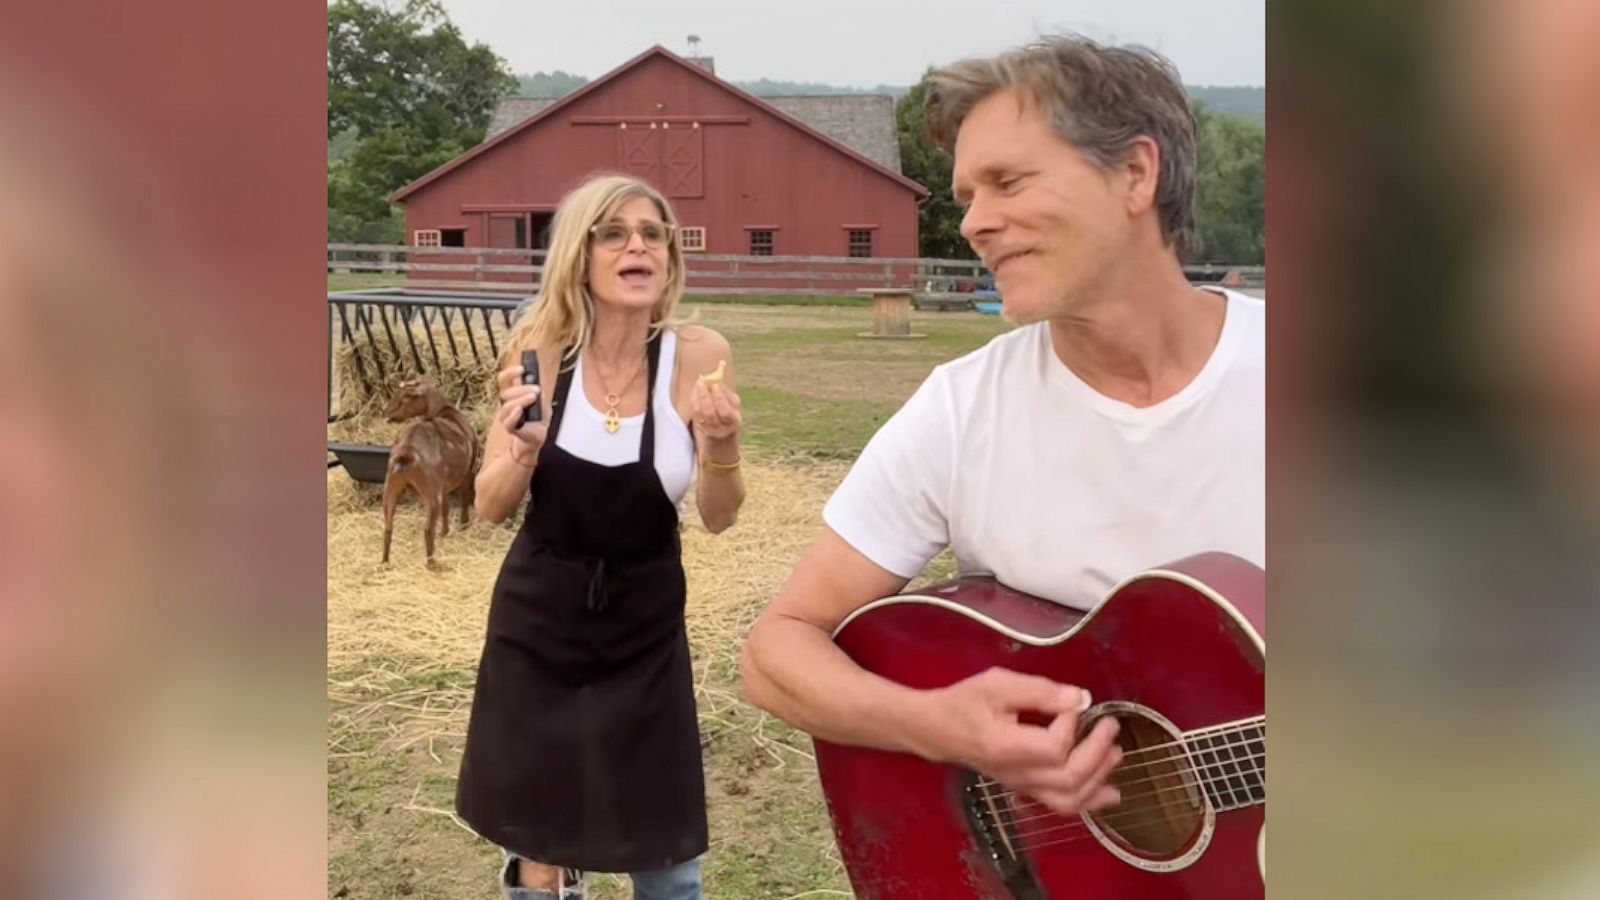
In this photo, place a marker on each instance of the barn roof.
(858, 125)
(515, 109)
(862, 122)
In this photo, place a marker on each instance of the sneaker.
(569, 884)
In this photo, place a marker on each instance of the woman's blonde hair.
(562, 315)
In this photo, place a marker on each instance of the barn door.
(539, 236)
(641, 153)
(685, 166)
(669, 158)
(503, 231)
(508, 232)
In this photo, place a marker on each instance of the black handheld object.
(530, 375)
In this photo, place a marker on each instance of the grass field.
(347, 281)
(403, 640)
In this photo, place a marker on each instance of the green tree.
(412, 93)
(938, 216)
(1231, 193)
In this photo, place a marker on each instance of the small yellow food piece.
(715, 377)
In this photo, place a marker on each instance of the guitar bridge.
(991, 821)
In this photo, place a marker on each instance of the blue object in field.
(990, 308)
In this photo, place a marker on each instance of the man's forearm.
(794, 671)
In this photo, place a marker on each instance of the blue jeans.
(679, 882)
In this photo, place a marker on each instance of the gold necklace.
(614, 398)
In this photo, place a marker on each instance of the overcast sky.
(861, 43)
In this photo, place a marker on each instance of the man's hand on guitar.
(979, 726)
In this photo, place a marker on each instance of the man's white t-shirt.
(1032, 476)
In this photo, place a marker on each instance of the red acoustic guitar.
(1176, 654)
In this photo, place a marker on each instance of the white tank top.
(583, 428)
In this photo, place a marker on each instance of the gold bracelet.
(714, 466)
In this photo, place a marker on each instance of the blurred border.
(1434, 228)
(164, 165)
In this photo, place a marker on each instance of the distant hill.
(1248, 102)
(560, 84)
(549, 84)
(767, 88)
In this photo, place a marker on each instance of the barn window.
(452, 237)
(761, 242)
(425, 237)
(860, 242)
(694, 238)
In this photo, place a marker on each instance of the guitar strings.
(1028, 839)
(1225, 778)
(1128, 806)
(1207, 770)
(1240, 731)
(1087, 835)
(1220, 764)
(1231, 729)
(1125, 808)
(1247, 743)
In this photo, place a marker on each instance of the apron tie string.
(597, 598)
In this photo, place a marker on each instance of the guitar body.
(1177, 654)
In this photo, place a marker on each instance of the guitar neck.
(1231, 762)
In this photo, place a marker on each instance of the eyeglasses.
(616, 235)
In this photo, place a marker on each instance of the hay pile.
(465, 379)
(404, 642)
(404, 639)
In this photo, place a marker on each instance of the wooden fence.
(487, 268)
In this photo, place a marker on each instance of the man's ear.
(1142, 169)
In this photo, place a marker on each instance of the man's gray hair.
(1097, 98)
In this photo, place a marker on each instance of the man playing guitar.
(1119, 426)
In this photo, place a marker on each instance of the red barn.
(746, 176)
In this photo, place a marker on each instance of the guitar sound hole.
(1163, 803)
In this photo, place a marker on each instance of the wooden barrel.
(891, 315)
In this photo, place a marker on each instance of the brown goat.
(434, 457)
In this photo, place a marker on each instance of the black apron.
(583, 749)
